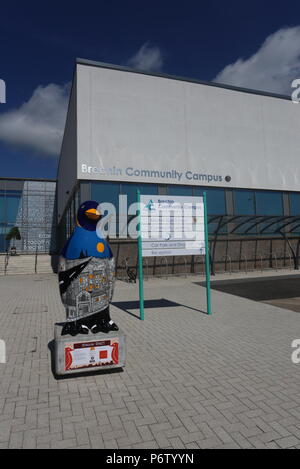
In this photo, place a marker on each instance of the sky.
(254, 45)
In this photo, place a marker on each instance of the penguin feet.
(104, 326)
(100, 326)
(69, 328)
(82, 329)
(96, 328)
(73, 329)
(113, 326)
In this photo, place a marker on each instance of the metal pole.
(140, 255)
(35, 263)
(207, 266)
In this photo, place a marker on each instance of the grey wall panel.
(67, 170)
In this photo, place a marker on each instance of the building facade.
(29, 205)
(129, 130)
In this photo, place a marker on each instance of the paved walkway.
(191, 381)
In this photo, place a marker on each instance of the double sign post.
(172, 226)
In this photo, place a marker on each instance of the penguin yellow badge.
(100, 247)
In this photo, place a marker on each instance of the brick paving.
(191, 381)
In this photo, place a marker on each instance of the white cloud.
(272, 68)
(147, 58)
(38, 124)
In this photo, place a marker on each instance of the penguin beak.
(92, 214)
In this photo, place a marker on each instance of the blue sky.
(256, 45)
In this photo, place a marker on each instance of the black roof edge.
(122, 68)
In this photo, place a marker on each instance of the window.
(180, 190)
(215, 199)
(9, 206)
(131, 190)
(295, 203)
(244, 202)
(12, 207)
(106, 192)
(269, 203)
(3, 242)
(2, 208)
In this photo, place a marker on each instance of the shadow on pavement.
(281, 291)
(151, 304)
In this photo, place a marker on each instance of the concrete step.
(25, 264)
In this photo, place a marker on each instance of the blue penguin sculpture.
(87, 276)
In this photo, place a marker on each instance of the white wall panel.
(135, 127)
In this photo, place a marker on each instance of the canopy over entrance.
(255, 225)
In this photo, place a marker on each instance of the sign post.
(140, 257)
(172, 226)
(207, 263)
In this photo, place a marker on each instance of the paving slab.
(190, 381)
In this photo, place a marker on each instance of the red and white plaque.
(91, 354)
